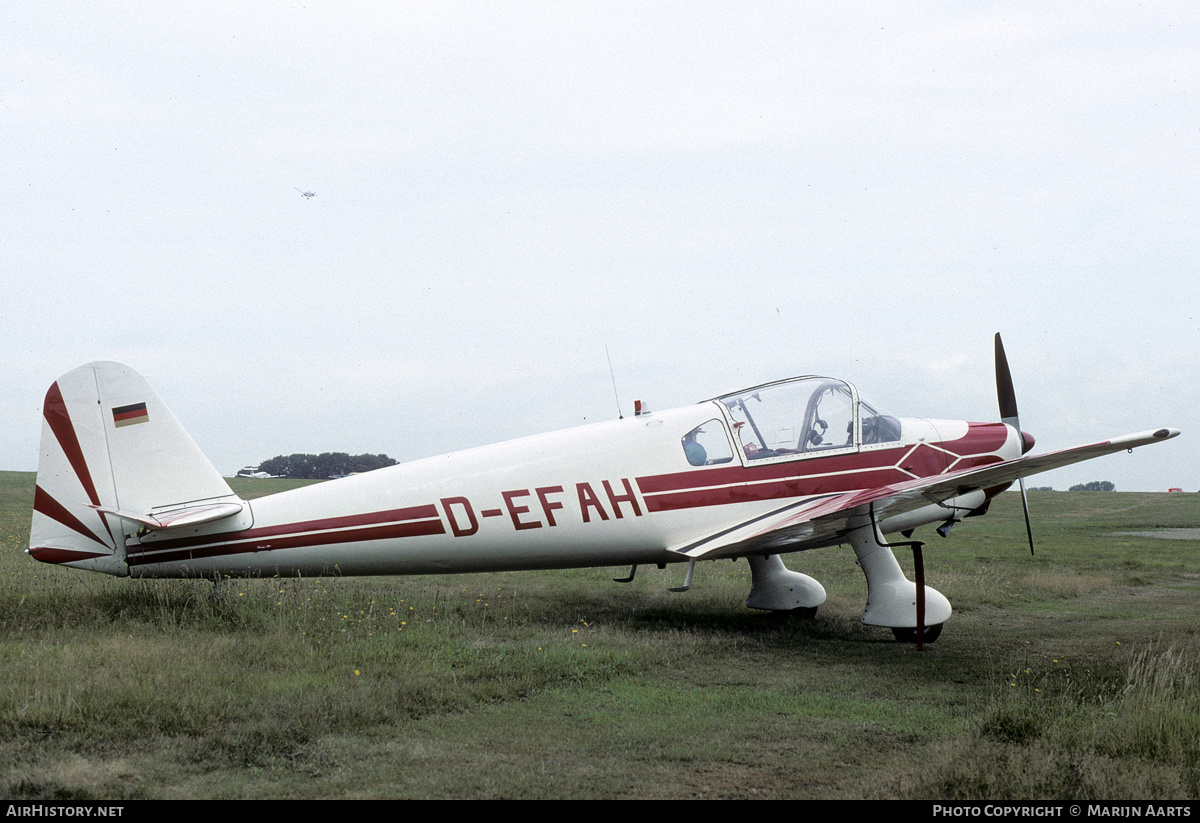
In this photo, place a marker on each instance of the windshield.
(796, 417)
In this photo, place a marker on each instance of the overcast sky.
(722, 194)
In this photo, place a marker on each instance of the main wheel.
(910, 635)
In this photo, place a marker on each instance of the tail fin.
(114, 458)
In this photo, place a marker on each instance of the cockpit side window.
(878, 427)
(707, 444)
(830, 419)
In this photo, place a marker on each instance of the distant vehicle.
(783, 467)
(308, 194)
(1173, 490)
(252, 471)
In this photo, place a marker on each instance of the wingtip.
(1146, 437)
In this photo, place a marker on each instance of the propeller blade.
(1008, 414)
(1004, 387)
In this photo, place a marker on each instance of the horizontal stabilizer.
(179, 518)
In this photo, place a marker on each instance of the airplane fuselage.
(608, 494)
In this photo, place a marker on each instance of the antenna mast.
(613, 375)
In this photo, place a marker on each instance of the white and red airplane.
(784, 467)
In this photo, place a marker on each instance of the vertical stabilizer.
(113, 460)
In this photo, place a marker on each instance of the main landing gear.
(891, 597)
(894, 601)
(776, 588)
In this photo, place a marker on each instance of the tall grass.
(1098, 733)
(1157, 715)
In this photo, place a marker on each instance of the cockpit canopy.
(802, 416)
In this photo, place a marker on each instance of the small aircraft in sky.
(308, 194)
(780, 468)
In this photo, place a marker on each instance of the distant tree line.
(1094, 486)
(323, 466)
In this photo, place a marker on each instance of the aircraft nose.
(1027, 442)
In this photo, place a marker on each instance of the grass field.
(1072, 674)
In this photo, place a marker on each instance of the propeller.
(1008, 414)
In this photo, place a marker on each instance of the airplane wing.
(824, 520)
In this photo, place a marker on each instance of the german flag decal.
(129, 415)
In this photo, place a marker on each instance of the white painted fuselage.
(608, 494)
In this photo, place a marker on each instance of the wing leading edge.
(824, 520)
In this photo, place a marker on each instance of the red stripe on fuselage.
(385, 525)
(791, 470)
(815, 475)
(778, 490)
(981, 438)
